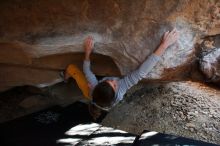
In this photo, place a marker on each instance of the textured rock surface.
(210, 64)
(128, 31)
(186, 109)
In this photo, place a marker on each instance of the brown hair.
(103, 94)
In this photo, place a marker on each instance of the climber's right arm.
(88, 47)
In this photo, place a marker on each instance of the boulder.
(40, 38)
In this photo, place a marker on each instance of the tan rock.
(40, 36)
(31, 102)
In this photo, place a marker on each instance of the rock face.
(39, 38)
(188, 109)
(210, 64)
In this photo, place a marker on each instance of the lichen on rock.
(210, 64)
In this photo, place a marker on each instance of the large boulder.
(39, 38)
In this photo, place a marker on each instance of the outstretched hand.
(88, 46)
(170, 37)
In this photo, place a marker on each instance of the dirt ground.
(180, 108)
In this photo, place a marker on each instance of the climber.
(106, 93)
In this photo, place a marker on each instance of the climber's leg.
(74, 72)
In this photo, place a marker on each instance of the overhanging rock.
(126, 31)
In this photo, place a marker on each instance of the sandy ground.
(180, 108)
(183, 108)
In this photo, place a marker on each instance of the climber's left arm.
(133, 78)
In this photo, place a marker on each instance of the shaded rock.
(45, 71)
(11, 76)
(33, 101)
(210, 64)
